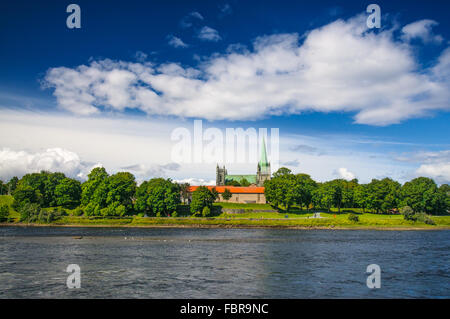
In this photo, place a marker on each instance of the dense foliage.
(381, 196)
(202, 197)
(118, 195)
(47, 190)
(158, 197)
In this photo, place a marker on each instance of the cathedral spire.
(263, 163)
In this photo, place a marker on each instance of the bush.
(174, 214)
(206, 211)
(353, 218)
(408, 213)
(77, 212)
(4, 212)
(30, 212)
(424, 218)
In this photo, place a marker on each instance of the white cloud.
(422, 30)
(189, 19)
(143, 146)
(434, 164)
(196, 181)
(176, 42)
(440, 172)
(225, 9)
(338, 67)
(19, 163)
(346, 174)
(140, 56)
(209, 34)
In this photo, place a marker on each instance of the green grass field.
(8, 200)
(295, 218)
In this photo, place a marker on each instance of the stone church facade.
(262, 172)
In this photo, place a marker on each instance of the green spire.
(263, 163)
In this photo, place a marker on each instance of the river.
(222, 263)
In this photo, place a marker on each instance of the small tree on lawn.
(226, 195)
(202, 197)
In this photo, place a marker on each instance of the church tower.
(263, 169)
(220, 175)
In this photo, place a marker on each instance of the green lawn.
(243, 206)
(294, 218)
(8, 200)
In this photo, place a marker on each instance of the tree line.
(421, 194)
(105, 195)
(119, 195)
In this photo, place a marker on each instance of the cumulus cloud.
(435, 164)
(19, 163)
(189, 19)
(421, 30)
(294, 163)
(209, 34)
(141, 56)
(225, 10)
(196, 181)
(176, 42)
(440, 172)
(151, 171)
(303, 148)
(346, 174)
(338, 67)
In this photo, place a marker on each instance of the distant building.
(247, 195)
(262, 172)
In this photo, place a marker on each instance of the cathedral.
(262, 172)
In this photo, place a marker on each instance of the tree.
(233, 183)
(226, 195)
(324, 195)
(12, 184)
(215, 193)
(202, 197)
(4, 212)
(26, 194)
(383, 195)
(51, 181)
(281, 190)
(158, 196)
(282, 171)
(361, 196)
(184, 190)
(420, 194)
(3, 188)
(304, 186)
(206, 211)
(244, 182)
(68, 193)
(121, 188)
(95, 178)
(43, 187)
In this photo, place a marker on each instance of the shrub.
(30, 213)
(408, 213)
(174, 214)
(422, 217)
(4, 212)
(206, 211)
(353, 218)
(77, 212)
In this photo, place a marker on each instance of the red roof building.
(251, 194)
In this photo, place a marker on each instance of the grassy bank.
(253, 215)
(367, 221)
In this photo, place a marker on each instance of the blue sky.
(248, 63)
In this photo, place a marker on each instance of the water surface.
(222, 263)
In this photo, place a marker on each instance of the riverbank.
(388, 222)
